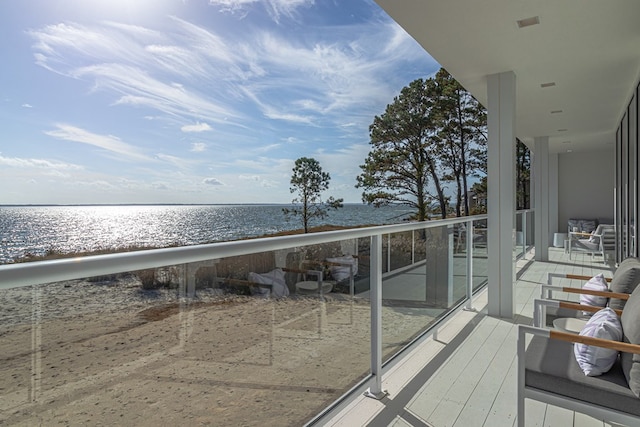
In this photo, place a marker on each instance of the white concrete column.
(541, 176)
(501, 192)
(554, 226)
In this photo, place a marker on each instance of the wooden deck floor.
(465, 374)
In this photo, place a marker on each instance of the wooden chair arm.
(300, 270)
(605, 294)
(579, 277)
(581, 233)
(583, 307)
(598, 342)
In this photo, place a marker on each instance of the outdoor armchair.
(599, 242)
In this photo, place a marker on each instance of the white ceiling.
(589, 48)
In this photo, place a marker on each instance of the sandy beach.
(109, 353)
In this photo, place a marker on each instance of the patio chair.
(601, 241)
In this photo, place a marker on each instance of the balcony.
(83, 342)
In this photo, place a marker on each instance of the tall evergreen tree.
(433, 132)
(403, 157)
(461, 123)
(309, 181)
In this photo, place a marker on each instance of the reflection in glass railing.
(134, 349)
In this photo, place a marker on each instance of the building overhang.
(576, 65)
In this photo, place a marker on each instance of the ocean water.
(37, 229)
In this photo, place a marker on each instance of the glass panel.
(386, 255)
(413, 298)
(401, 250)
(518, 238)
(420, 253)
(480, 255)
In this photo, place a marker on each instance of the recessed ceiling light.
(556, 111)
(548, 84)
(562, 130)
(527, 22)
(569, 151)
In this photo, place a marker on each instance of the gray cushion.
(588, 225)
(572, 223)
(551, 367)
(631, 333)
(625, 280)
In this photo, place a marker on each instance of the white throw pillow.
(596, 283)
(342, 272)
(597, 360)
(275, 278)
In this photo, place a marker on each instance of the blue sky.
(191, 101)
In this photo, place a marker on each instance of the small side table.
(309, 287)
(558, 239)
(569, 324)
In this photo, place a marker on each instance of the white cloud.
(17, 162)
(249, 177)
(198, 147)
(275, 8)
(275, 114)
(198, 127)
(262, 182)
(160, 186)
(266, 148)
(139, 88)
(212, 181)
(176, 161)
(106, 142)
(27, 106)
(337, 73)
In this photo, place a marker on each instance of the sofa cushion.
(631, 333)
(594, 360)
(588, 225)
(596, 283)
(625, 280)
(574, 224)
(551, 367)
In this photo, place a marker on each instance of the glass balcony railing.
(255, 332)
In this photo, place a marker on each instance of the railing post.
(375, 391)
(469, 305)
(524, 235)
